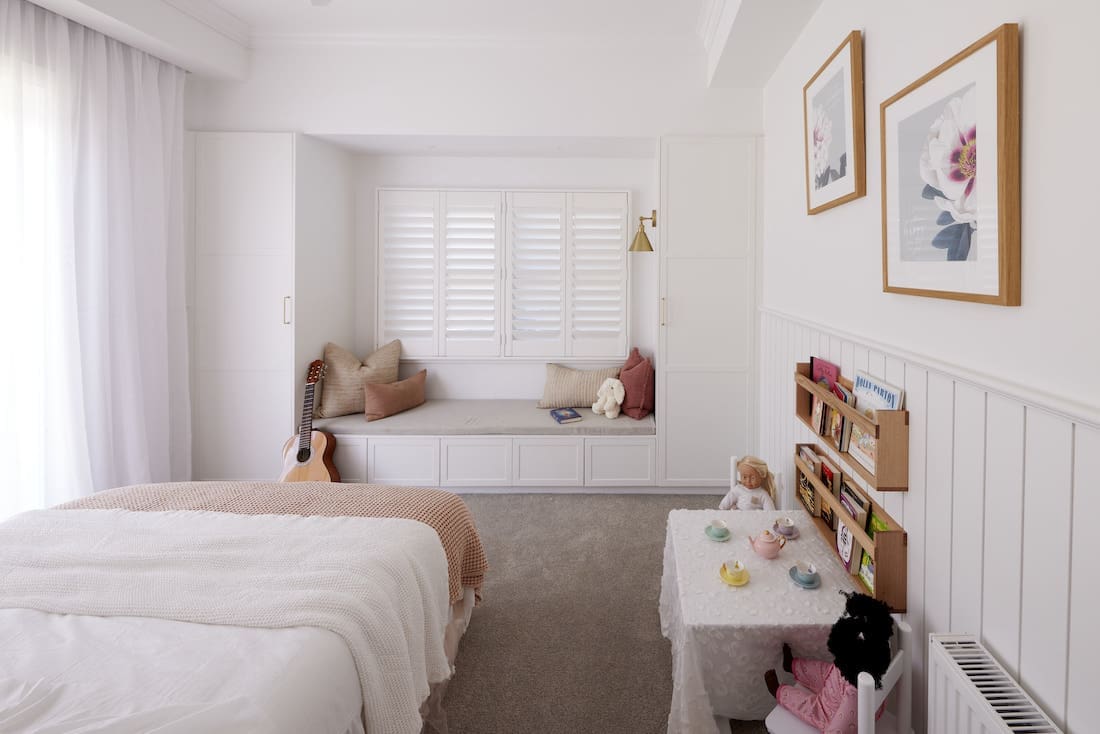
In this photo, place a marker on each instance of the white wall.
(484, 378)
(1004, 409)
(481, 87)
(828, 266)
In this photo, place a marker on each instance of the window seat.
(484, 418)
(494, 443)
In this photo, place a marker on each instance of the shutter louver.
(471, 274)
(598, 275)
(408, 269)
(536, 236)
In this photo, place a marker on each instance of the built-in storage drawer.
(548, 462)
(620, 462)
(475, 462)
(350, 458)
(403, 461)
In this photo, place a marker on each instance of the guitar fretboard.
(305, 428)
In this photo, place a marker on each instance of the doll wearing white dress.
(755, 488)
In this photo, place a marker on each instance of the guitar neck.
(305, 427)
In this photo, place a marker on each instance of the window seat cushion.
(484, 418)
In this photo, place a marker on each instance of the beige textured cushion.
(345, 375)
(395, 397)
(570, 388)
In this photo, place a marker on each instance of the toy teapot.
(767, 544)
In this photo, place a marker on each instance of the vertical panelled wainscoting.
(1000, 512)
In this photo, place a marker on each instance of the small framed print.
(951, 220)
(832, 112)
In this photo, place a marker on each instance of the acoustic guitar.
(307, 455)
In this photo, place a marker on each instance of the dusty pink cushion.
(638, 376)
(384, 400)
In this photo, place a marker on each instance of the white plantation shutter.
(408, 270)
(536, 275)
(470, 287)
(597, 284)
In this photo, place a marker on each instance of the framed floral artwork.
(832, 116)
(951, 219)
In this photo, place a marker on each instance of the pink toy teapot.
(767, 544)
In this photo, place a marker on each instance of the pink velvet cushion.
(637, 376)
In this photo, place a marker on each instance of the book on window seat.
(566, 415)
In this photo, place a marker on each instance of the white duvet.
(314, 593)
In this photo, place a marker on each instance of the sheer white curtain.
(93, 370)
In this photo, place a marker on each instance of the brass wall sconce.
(641, 242)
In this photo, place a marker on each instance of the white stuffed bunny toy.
(609, 398)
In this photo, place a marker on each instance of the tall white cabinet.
(272, 282)
(707, 289)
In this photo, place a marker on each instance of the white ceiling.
(474, 19)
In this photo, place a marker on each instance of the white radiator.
(970, 693)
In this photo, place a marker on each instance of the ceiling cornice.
(709, 16)
(214, 17)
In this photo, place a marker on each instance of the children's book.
(806, 493)
(848, 548)
(867, 571)
(853, 503)
(823, 371)
(829, 474)
(874, 524)
(828, 516)
(818, 415)
(840, 427)
(566, 415)
(872, 395)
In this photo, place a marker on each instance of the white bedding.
(126, 675)
(379, 584)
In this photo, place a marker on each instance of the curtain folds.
(92, 265)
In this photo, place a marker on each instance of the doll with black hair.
(859, 642)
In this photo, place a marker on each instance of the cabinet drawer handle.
(286, 309)
(664, 311)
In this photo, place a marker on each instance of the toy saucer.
(813, 583)
(732, 580)
(788, 534)
(717, 537)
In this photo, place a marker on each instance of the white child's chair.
(899, 675)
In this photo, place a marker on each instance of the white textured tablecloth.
(724, 638)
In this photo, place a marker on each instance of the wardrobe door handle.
(286, 309)
(664, 311)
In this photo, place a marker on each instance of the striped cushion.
(570, 388)
(342, 389)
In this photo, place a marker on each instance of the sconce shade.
(641, 243)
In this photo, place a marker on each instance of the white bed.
(127, 675)
(100, 632)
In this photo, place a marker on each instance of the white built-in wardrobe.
(271, 281)
(706, 351)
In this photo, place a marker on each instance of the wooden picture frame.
(836, 168)
(935, 188)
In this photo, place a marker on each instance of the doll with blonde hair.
(755, 487)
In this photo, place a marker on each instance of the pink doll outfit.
(830, 704)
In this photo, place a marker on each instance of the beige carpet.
(568, 637)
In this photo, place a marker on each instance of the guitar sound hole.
(303, 455)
